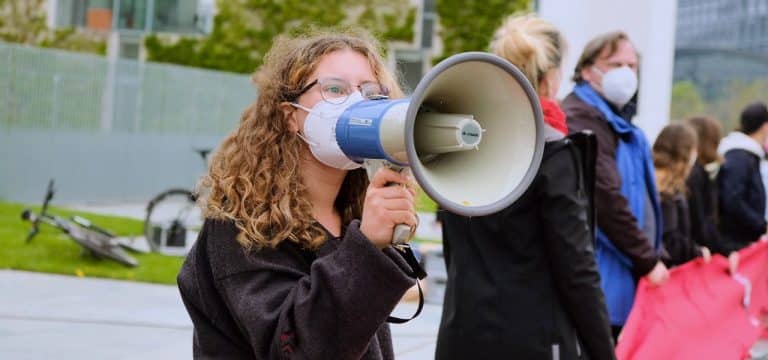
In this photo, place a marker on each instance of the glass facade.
(428, 21)
(174, 16)
(729, 24)
(719, 42)
(132, 14)
(177, 16)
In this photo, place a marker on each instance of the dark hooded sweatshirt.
(741, 191)
(291, 303)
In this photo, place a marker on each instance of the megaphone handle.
(402, 233)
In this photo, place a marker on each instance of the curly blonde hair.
(255, 177)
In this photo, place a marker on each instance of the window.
(410, 64)
(132, 14)
(174, 15)
(428, 20)
(427, 30)
(98, 14)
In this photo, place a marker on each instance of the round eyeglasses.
(336, 91)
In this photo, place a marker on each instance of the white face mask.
(320, 132)
(619, 85)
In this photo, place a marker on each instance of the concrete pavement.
(46, 316)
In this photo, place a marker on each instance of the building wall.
(649, 23)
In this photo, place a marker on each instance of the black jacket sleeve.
(677, 242)
(614, 217)
(734, 174)
(569, 243)
(332, 312)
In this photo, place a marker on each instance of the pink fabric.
(699, 312)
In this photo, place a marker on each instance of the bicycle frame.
(36, 222)
(97, 241)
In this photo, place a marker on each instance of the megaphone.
(471, 132)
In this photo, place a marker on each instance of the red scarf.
(553, 115)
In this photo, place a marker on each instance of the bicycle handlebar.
(52, 220)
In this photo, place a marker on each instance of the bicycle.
(172, 219)
(97, 241)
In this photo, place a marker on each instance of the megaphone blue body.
(359, 130)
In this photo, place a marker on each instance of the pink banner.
(702, 312)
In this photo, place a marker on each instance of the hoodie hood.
(740, 141)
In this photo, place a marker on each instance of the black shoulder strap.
(418, 274)
(584, 150)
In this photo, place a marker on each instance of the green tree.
(243, 30)
(24, 21)
(468, 25)
(740, 94)
(686, 101)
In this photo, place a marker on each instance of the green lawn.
(52, 251)
(424, 203)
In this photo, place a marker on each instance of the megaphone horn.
(472, 133)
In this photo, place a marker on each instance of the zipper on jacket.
(578, 346)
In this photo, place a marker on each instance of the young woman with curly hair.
(294, 260)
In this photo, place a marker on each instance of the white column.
(650, 25)
(51, 11)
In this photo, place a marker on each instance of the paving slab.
(64, 317)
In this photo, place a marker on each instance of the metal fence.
(108, 131)
(51, 89)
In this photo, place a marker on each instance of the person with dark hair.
(673, 155)
(523, 283)
(628, 210)
(702, 189)
(740, 185)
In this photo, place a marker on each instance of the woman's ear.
(289, 115)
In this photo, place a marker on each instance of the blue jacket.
(634, 163)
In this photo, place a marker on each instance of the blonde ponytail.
(532, 44)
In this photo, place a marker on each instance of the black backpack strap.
(418, 273)
(584, 150)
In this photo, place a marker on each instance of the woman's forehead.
(345, 64)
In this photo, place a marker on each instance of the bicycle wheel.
(170, 216)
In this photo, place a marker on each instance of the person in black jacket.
(740, 186)
(702, 190)
(294, 260)
(673, 154)
(523, 282)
